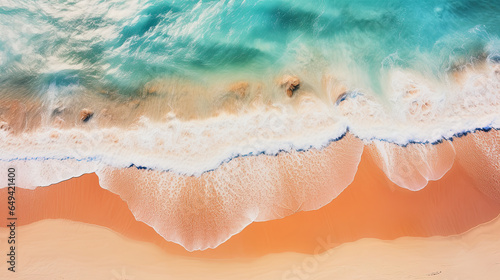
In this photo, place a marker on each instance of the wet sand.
(371, 207)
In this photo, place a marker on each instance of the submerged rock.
(239, 88)
(290, 83)
(58, 110)
(133, 103)
(151, 89)
(4, 126)
(85, 115)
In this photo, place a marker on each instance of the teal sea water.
(124, 44)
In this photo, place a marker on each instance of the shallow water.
(122, 45)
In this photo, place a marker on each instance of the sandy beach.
(61, 249)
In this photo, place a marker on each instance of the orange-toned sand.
(371, 206)
(62, 249)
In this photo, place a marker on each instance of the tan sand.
(60, 249)
(370, 207)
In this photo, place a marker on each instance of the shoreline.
(366, 142)
(464, 203)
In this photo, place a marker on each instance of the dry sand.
(60, 249)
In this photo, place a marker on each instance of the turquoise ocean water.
(124, 44)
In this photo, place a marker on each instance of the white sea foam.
(421, 110)
(40, 173)
(417, 110)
